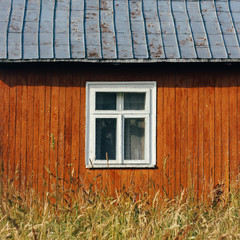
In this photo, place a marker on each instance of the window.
(121, 124)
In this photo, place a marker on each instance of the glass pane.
(134, 138)
(106, 138)
(105, 101)
(134, 101)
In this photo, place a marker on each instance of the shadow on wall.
(180, 75)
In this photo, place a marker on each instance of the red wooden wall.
(42, 117)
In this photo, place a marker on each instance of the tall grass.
(96, 215)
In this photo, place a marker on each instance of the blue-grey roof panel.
(87, 30)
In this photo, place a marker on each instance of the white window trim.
(149, 114)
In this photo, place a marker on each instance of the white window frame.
(149, 113)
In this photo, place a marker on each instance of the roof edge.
(119, 61)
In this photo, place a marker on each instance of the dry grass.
(95, 215)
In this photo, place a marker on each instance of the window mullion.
(121, 138)
(120, 106)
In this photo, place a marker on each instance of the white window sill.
(116, 166)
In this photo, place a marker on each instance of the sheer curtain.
(134, 101)
(106, 138)
(105, 101)
(134, 138)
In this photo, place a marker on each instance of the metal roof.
(119, 30)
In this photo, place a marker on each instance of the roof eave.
(119, 61)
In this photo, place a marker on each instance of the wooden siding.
(42, 117)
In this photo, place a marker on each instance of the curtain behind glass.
(106, 138)
(134, 138)
(105, 101)
(134, 101)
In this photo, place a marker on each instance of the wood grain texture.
(68, 133)
(218, 132)
(211, 81)
(166, 140)
(238, 125)
(36, 125)
(47, 134)
(54, 138)
(18, 134)
(232, 128)
(191, 130)
(76, 106)
(43, 132)
(200, 140)
(5, 137)
(2, 76)
(24, 126)
(61, 132)
(225, 133)
(193, 84)
(30, 132)
(178, 135)
(12, 129)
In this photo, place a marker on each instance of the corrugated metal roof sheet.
(119, 30)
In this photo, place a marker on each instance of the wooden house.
(120, 93)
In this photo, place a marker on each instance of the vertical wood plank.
(160, 127)
(178, 134)
(206, 145)
(54, 134)
(169, 134)
(183, 131)
(1, 133)
(233, 128)
(195, 132)
(225, 133)
(47, 133)
(68, 132)
(191, 130)
(208, 134)
(117, 179)
(201, 140)
(218, 131)
(18, 131)
(238, 124)
(6, 116)
(61, 131)
(166, 140)
(12, 128)
(30, 133)
(75, 129)
(211, 130)
(24, 134)
(172, 136)
(111, 180)
(41, 135)
(36, 116)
